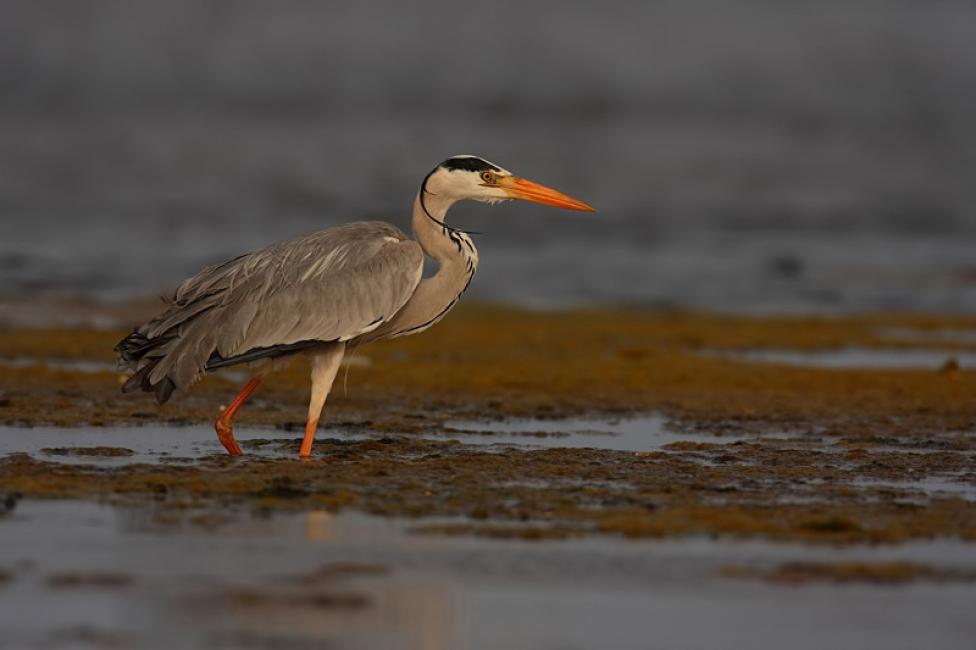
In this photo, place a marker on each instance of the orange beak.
(519, 188)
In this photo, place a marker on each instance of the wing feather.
(332, 285)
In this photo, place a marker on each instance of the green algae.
(106, 452)
(879, 573)
(851, 430)
(494, 362)
(785, 494)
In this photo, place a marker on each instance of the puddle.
(149, 444)
(154, 443)
(75, 365)
(317, 579)
(944, 335)
(928, 488)
(855, 358)
(647, 433)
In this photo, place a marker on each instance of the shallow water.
(153, 443)
(253, 582)
(118, 446)
(217, 574)
(928, 488)
(771, 157)
(647, 433)
(160, 443)
(75, 365)
(857, 357)
(930, 336)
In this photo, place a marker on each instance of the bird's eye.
(488, 177)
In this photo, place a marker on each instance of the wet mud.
(792, 490)
(753, 448)
(879, 573)
(488, 362)
(504, 427)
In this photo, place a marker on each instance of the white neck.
(457, 261)
(444, 244)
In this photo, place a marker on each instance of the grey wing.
(332, 285)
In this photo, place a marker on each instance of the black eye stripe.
(469, 165)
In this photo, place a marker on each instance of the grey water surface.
(745, 156)
(87, 575)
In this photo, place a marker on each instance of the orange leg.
(309, 438)
(224, 424)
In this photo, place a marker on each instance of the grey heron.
(321, 293)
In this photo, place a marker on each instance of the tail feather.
(143, 354)
(139, 380)
(163, 390)
(171, 351)
(184, 359)
(136, 345)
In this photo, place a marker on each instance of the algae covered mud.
(512, 479)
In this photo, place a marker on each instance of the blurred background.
(750, 156)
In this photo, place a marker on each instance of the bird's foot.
(226, 436)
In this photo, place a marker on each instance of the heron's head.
(474, 178)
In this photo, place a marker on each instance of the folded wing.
(332, 285)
